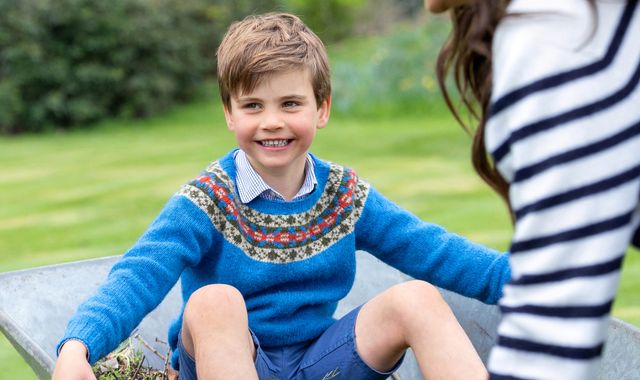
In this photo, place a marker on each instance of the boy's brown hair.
(258, 46)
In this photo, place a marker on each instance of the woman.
(553, 86)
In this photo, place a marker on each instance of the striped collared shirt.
(251, 185)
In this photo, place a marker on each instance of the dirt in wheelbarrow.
(129, 363)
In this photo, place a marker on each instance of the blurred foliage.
(389, 74)
(69, 63)
(332, 20)
(221, 13)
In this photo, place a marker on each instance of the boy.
(264, 242)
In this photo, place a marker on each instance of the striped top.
(564, 131)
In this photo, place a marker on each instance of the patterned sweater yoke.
(294, 235)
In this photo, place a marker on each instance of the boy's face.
(275, 123)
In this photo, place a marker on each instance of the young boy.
(264, 242)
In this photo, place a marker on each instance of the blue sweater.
(292, 261)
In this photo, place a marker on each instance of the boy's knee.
(418, 289)
(417, 296)
(410, 305)
(211, 309)
(217, 299)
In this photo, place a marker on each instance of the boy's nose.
(271, 120)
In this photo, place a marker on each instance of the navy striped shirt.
(564, 131)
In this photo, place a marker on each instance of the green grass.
(91, 193)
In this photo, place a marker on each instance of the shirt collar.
(250, 185)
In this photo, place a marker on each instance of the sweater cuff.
(76, 339)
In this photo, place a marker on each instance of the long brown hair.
(466, 55)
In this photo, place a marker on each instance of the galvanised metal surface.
(35, 305)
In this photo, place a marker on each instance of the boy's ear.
(227, 117)
(324, 111)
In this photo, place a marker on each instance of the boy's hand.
(72, 363)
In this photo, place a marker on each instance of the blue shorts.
(332, 356)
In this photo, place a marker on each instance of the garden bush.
(391, 74)
(70, 62)
(332, 20)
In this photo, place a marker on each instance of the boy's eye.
(251, 106)
(290, 104)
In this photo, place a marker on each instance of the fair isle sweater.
(292, 261)
(564, 131)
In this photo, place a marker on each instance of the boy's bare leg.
(414, 314)
(215, 332)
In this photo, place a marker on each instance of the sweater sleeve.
(430, 253)
(176, 239)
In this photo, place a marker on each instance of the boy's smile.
(275, 125)
(275, 143)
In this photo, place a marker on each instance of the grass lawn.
(87, 194)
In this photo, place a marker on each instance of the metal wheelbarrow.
(35, 305)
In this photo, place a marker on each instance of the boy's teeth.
(274, 143)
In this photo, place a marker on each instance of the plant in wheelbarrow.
(128, 362)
